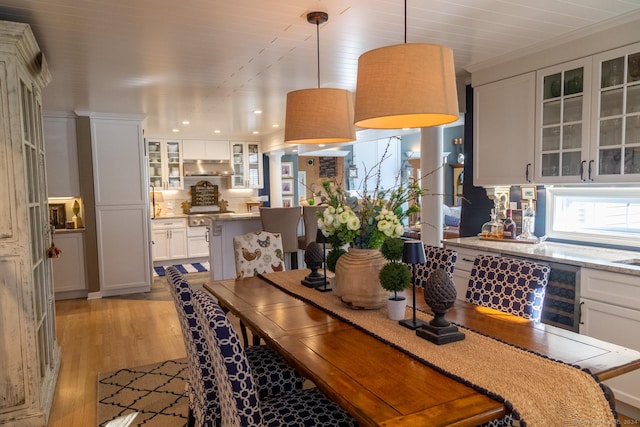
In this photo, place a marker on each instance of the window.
(603, 215)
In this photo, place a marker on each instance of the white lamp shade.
(319, 116)
(406, 86)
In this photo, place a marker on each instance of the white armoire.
(29, 353)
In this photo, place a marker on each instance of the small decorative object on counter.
(509, 226)
(494, 229)
(528, 223)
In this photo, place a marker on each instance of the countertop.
(234, 216)
(583, 256)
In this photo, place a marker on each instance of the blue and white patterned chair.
(435, 258)
(240, 402)
(509, 285)
(273, 374)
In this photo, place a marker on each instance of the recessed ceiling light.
(175, 130)
(321, 145)
(295, 150)
(217, 131)
(185, 122)
(255, 132)
(257, 111)
(275, 125)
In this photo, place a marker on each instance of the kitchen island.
(222, 229)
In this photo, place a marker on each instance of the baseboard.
(628, 410)
(94, 295)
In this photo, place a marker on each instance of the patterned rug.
(156, 392)
(196, 267)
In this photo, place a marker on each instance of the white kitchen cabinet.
(69, 277)
(29, 351)
(462, 271)
(615, 116)
(198, 242)
(169, 239)
(62, 155)
(246, 160)
(165, 164)
(562, 127)
(193, 149)
(610, 311)
(504, 131)
(121, 198)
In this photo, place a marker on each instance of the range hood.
(207, 168)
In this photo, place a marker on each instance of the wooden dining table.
(381, 385)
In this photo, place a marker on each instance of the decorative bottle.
(493, 229)
(528, 223)
(509, 226)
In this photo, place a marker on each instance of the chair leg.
(256, 339)
(191, 420)
(245, 337)
(294, 260)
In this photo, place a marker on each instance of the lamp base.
(313, 281)
(324, 288)
(440, 335)
(412, 324)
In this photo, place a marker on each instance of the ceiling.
(213, 62)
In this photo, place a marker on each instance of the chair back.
(258, 252)
(310, 221)
(202, 382)
(237, 391)
(435, 258)
(284, 221)
(510, 285)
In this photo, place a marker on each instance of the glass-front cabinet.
(165, 164)
(246, 159)
(588, 119)
(616, 112)
(562, 131)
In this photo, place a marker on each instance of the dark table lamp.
(321, 238)
(413, 253)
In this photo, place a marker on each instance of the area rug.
(156, 392)
(196, 267)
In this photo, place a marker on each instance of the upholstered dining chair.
(274, 375)
(258, 252)
(510, 285)
(240, 402)
(310, 221)
(284, 221)
(255, 253)
(435, 258)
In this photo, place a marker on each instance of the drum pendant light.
(406, 86)
(322, 115)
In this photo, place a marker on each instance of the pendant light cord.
(405, 21)
(318, 48)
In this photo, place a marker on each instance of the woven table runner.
(542, 392)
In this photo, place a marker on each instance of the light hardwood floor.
(112, 333)
(107, 334)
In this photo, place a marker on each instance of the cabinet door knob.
(590, 165)
(582, 170)
(526, 172)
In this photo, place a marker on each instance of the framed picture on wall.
(287, 169)
(287, 187)
(528, 193)
(287, 202)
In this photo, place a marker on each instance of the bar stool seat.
(284, 221)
